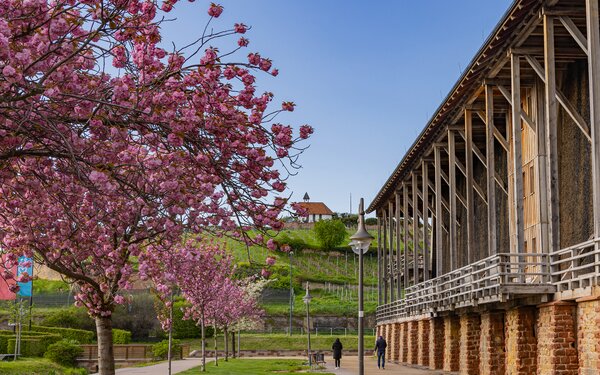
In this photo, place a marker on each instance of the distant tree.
(330, 233)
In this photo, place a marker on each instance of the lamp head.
(307, 297)
(361, 240)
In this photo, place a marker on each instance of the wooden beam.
(509, 98)
(469, 188)
(398, 244)
(379, 261)
(519, 243)
(391, 246)
(405, 226)
(415, 236)
(453, 194)
(593, 42)
(575, 32)
(562, 99)
(438, 210)
(491, 170)
(425, 216)
(551, 111)
(541, 164)
(386, 272)
(474, 147)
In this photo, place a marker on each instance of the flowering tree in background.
(203, 273)
(104, 170)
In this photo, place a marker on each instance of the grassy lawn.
(250, 341)
(255, 367)
(36, 366)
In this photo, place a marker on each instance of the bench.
(318, 358)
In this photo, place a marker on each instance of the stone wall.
(436, 343)
(451, 343)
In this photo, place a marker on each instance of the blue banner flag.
(25, 266)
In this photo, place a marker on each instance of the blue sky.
(366, 75)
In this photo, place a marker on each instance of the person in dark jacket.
(380, 346)
(337, 352)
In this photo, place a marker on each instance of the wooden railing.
(493, 279)
(576, 267)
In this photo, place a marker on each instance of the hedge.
(32, 346)
(121, 336)
(83, 336)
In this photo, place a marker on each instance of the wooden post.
(469, 188)
(379, 260)
(439, 215)
(453, 207)
(391, 245)
(398, 240)
(405, 225)
(425, 214)
(593, 46)
(415, 236)
(491, 170)
(519, 242)
(541, 165)
(551, 139)
(385, 258)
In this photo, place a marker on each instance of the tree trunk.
(106, 357)
(203, 343)
(233, 344)
(216, 351)
(226, 339)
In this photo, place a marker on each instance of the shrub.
(121, 336)
(161, 350)
(70, 318)
(33, 346)
(64, 352)
(186, 329)
(138, 316)
(83, 336)
(330, 233)
(296, 244)
(371, 221)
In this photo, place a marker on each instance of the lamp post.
(360, 242)
(306, 300)
(291, 292)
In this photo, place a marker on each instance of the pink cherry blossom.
(240, 28)
(215, 10)
(288, 106)
(243, 42)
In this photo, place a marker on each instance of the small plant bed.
(255, 367)
(37, 366)
(254, 341)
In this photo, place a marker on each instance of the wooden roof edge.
(489, 46)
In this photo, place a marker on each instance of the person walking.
(337, 352)
(380, 346)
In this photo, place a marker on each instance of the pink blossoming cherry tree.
(102, 170)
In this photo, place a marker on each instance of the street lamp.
(360, 242)
(306, 300)
(291, 292)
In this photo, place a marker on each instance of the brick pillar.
(423, 344)
(451, 343)
(413, 342)
(395, 343)
(388, 339)
(491, 344)
(556, 339)
(588, 335)
(521, 344)
(436, 343)
(403, 342)
(469, 344)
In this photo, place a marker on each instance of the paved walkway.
(350, 367)
(163, 367)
